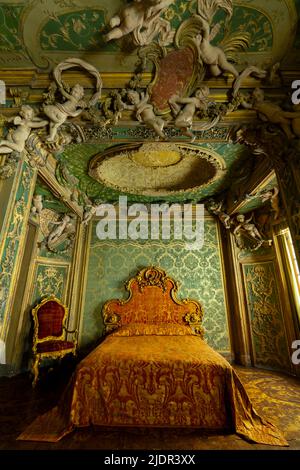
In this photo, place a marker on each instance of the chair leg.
(35, 370)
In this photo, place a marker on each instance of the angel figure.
(217, 209)
(144, 111)
(64, 226)
(216, 59)
(211, 55)
(25, 122)
(59, 112)
(272, 112)
(135, 16)
(245, 227)
(89, 212)
(184, 114)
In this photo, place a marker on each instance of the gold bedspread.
(154, 380)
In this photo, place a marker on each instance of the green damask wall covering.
(50, 279)
(112, 262)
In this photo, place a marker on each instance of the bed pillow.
(154, 329)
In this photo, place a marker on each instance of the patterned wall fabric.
(50, 280)
(265, 314)
(199, 272)
(14, 237)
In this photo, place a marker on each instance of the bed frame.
(152, 299)
(152, 378)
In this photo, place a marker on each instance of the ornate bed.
(154, 369)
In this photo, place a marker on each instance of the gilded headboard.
(152, 299)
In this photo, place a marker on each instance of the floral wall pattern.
(10, 246)
(265, 315)
(50, 280)
(199, 273)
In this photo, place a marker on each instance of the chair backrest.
(49, 319)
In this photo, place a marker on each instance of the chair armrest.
(70, 331)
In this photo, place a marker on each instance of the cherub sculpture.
(64, 227)
(89, 212)
(74, 104)
(59, 112)
(144, 111)
(37, 204)
(25, 122)
(211, 55)
(245, 227)
(184, 114)
(138, 15)
(272, 112)
(216, 59)
(217, 209)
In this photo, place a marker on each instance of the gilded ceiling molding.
(131, 132)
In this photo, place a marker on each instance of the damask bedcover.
(160, 377)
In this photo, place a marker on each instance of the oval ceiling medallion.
(157, 169)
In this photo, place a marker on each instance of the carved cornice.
(35, 80)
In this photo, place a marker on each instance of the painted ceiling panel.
(40, 34)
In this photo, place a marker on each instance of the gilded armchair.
(49, 337)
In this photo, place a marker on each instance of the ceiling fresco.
(39, 34)
(78, 159)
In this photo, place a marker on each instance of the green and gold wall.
(263, 308)
(199, 273)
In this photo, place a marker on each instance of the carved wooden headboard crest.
(152, 299)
